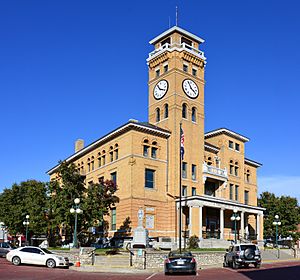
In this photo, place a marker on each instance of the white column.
(190, 220)
(222, 223)
(242, 224)
(258, 226)
(200, 222)
(247, 225)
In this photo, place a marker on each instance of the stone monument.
(140, 234)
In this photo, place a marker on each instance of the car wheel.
(50, 263)
(234, 265)
(257, 265)
(16, 260)
(246, 265)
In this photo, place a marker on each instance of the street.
(283, 270)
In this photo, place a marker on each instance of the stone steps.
(121, 261)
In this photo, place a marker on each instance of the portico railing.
(215, 171)
(211, 234)
(169, 47)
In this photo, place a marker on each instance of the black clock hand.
(191, 87)
(159, 87)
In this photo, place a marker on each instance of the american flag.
(181, 143)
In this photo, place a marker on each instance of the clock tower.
(176, 95)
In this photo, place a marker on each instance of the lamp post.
(2, 227)
(75, 209)
(235, 217)
(277, 223)
(26, 224)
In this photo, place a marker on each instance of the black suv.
(242, 254)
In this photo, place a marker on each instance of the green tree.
(288, 210)
(26, 198)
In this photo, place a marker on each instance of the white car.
(36, 255)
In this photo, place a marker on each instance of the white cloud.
(280, 185)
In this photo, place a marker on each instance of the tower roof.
(179, 30)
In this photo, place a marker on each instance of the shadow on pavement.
(285, 273)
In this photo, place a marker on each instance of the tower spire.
(176, 16)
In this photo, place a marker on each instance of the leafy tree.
(125, 228)
(95, 201)
(26, 198)
(193, 242)
(286, 208)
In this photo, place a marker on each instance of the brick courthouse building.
(143, 158)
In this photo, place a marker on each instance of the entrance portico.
(209, 218)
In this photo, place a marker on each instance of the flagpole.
(180, 189)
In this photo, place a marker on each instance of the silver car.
(36, 255)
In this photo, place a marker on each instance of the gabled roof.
(179, 30)
(226, 132)
(144, 127)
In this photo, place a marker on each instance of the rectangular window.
(116, 154)
(166, 68)
(194, 191)
(99, 161)
(103, 160)
(153, 152)
(231, 191)
(185, 68)
(149, 178)
(89, 167)
(145, 151)
(113, 219)
(230, 144)
(236, 192)
(184, 190)
(111, 154)
(157, 72)
(236, 171)
(246, 197)
(93, 165)
(184, 169)
(194, 72)
(237, 147)
(113, 177)
(194, 172)
(231, 169)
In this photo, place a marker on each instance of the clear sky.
(77, 69)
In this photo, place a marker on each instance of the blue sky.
(77, 69)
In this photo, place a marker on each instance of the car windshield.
(46, 251)
(182, 254)
(245, 247)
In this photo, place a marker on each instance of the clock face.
(190, 88)
(160, 89)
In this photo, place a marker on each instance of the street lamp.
(75, 210)
(2, 227)
(277, 223)
(26, 223)
(235, 217)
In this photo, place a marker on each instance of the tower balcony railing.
(176, 46)
(209, 169)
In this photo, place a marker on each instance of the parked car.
(5, 247)
(180, 262)
(242, 254)
(36, 255)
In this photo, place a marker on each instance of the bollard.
(77, 262)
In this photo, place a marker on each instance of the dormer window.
(157, 72)
(166, 41)
(186, 41)
(166, 68)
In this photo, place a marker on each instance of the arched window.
(111, 154)
(146, 148)
(103, 157)
(247, 176)
(93, 163)
(99, 159)
(157, 114)
(154, 149)
(194, 111)
(166, 111)
(184, 111)
(116, 151)
(236, 169)
(209, 161)
(231, 167)
(89, 164)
